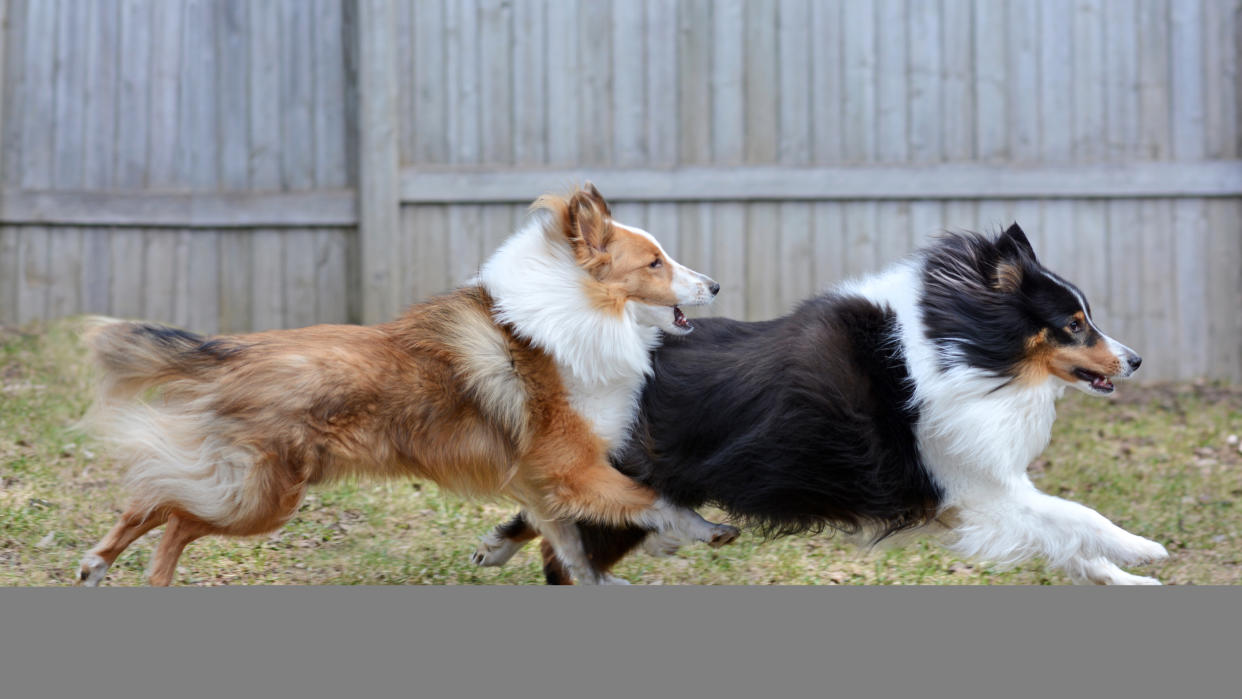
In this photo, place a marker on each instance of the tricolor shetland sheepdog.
(518, 384)
(907, 402)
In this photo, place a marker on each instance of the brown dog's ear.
(588, 228)
(599, 198)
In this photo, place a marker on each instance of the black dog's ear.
(1013, 244)
(1015, 252)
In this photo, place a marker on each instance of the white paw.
(92, 570)
(609, 579)
(1140, 551)
(494, 551)
(661, 545)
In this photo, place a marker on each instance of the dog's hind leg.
(133, 524)
(1101, 571)
(181, 530)
(554, 571)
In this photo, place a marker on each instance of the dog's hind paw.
(494, 551)
(92, 570)
(723, 534)
(661, 545)
(1140, 551)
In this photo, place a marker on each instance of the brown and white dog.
(518, 384)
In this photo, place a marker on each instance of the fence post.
(379, 203)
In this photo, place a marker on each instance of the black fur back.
(793, 425)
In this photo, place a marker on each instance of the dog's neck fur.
(971, 423)
(604, 358)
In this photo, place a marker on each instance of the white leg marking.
(92, 571)
(685, 524)
(495, 550)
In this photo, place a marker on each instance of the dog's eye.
(656, 264)
(1075, 326)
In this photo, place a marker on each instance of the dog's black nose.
(714, 288)
(1135, 361)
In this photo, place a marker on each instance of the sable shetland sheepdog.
(518, 384)
(907, 402)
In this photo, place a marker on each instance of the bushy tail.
(132, 357)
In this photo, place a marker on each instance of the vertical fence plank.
(629, 111)
(727, 99)
(1224, 289)
(893, 63)
(1088, 131)
(379, 205)
(794, 62)
(660, 33)
(694, 86)
(563, 86)
(1221, 96)
(826, 78)
(34, 275)
(924, 75)
(1153, 82)
(1056, 63)
(957, 74)
(10, 263)
(762, 264)
(594, 82)
(726, 233)
(428, 127)
(530, 140)
(991, 94)
(39, 104)
(1121, 91)
(496, 80)
(166, 76)
(133, 99)
(1022, 79)
(760, 81)
(1125, 282)
(827, 244)
(858, 46)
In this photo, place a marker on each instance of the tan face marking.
(1045, 357)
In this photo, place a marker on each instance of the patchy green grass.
(1156, 460)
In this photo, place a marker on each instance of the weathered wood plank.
(924, 80)
(694, 86)
(39, 103)
(236, 281)
(1121, 91)
(629, 109)
(264, 95)
(227, 209)
(828, 244)
(128, 280)
(1190, 253)
(300, 279)
(529, 75)
(990, 81)
(1056, 80)
(726, 233)
(232, 26)
(267, 272)
(859, 233)
(378, 202)
(827, 60)
(1224, 289)
(794, 61)
(297, 147)
(728, 125)
(660, 32)
(858, 131)
(893, 61)
(159, 290)
(935, 181)
(795, 275)
(134, 97)
(428, 126)
(203, 281)
(1186, 91)
(562, 79)
(763, 260)
(10, 263)
(496, 80)
(761, 79)
(331, 280)
(1022, 79)
(166, 77)
(328, 113)
(428, 228)
(956, 77)
(1220, 61)
(1090, 136)
(100, 100)
(593, 90)
(33, 275)
(1154, 129)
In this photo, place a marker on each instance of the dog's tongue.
(679, 318)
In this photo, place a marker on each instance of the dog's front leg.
(1018, 523)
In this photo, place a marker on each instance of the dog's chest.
(610, 406)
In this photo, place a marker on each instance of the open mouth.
(1099, 382)
(679, 319)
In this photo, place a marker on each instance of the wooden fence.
(233, 165)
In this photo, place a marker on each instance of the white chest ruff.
(609, 407)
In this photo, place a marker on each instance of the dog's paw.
(92, 570)
(722, 534)
(1140, 551)
(610, 579)
(494, 551)
(661, 545)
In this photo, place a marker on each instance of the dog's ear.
(1015, 252)
(599, 198)
(587, 226)
(1013, 244)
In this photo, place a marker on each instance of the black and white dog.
(911, 401)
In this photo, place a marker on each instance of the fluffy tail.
(132, 357)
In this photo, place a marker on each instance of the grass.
(1156, 460)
